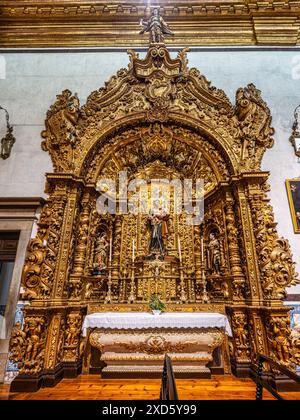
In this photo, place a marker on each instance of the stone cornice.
(76, 23)
(21, 202)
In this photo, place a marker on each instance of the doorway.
(8, 250)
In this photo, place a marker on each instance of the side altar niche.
(155, 119)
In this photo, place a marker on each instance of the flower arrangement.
(155, 303)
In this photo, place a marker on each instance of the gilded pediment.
(168, 93)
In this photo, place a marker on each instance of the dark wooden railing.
(261, 383)
(168, 389)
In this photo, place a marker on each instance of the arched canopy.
(158, 90)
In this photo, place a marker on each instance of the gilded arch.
(139, 118)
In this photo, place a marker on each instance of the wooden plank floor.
(91, 387)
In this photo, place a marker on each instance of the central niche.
(158, 248)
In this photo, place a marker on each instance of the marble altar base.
(136, 353)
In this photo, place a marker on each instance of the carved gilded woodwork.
(255, 125)
(276, 266)
(38, 272)
(295, 338)
(143, 307)
(238, 283)
(157, 118)
(279, 338)
(54, 343)
(101, 23)
(72, 336)
(239, 321)
(28, 346)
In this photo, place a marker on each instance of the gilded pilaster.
(53, 340)
(82, 236)
(257, 333)
(238, 283)
(69, 195)
(254, 291)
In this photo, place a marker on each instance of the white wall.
(34, 79)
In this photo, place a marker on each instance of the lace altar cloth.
(140, 320)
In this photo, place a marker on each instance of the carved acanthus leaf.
(255, 125)
(274, 254)
(61, 134)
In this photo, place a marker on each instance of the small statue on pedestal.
(101, 251)
(156, 26)
(214, 254)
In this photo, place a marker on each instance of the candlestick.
(133, 256)
(205, 297)
(179, 250)
(110, 249)
(202, 249)
(131, 297)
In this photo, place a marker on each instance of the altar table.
(133, 344)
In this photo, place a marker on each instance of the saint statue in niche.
(156, 26)
(214, 254)
(101, 252)
(158, 230)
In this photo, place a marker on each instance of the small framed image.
(293, 191)
(295, 139)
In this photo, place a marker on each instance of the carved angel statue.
(73, 330)
(156, 26)
(34, 342)
(280, 339)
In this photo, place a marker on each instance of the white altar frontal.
(133, 344)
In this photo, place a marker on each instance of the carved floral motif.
(60, 134)
(255, 125)
(274, 254)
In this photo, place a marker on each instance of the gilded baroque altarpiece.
(156, 118)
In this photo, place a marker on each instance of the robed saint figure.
(158, 231)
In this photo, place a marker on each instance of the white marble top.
(131, 320)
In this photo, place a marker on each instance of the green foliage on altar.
(155, 303)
